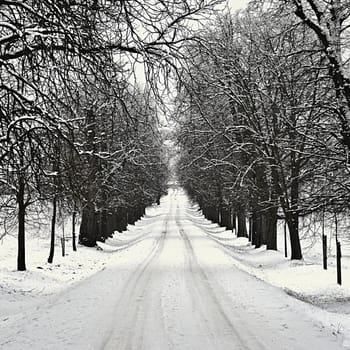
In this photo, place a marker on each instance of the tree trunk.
(204, 211)
(89, 220)
(110, 224)
(103, 226)
(233, 217)
(226, 218)
(264, 226)
(53, 227)
(88, 226)
(293, 215)
(21, 262)
(212, 213)
(259, 205)
(293, 227)
(256, 229)
(291, 210)
(131, 215)
(114, 222)
(271, 236)
(121, 217)
(250, 234)
(242, 226)
(73, 230)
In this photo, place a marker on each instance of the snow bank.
(20, 289)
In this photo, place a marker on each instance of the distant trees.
(120, 149)
(257, 111)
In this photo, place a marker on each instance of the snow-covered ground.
(306, 280)
(171, 281)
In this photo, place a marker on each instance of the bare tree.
(271, 104)
(329, 20)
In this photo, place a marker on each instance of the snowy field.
(29, 295)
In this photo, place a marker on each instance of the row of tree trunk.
(100, 225)
(262, 224)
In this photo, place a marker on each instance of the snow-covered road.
(174, 289)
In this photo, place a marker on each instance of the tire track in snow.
(130, 310)
(214, 320)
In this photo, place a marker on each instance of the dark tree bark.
(290, 207)
(121, 218)
(73, 230)
(260, 219)
(55, 168)
(271, 231)
(53, 228)
(131, 216)
(113, 224)
(21, 262)
(226, 218)
(233, 220)
(293, 215)
(109, 225)
(88, 227)
(256, 229)
(212, 214)
(241, 221)
(103, 225)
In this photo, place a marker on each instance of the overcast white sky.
(237, 4)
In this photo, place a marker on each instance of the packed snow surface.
(172, 281)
